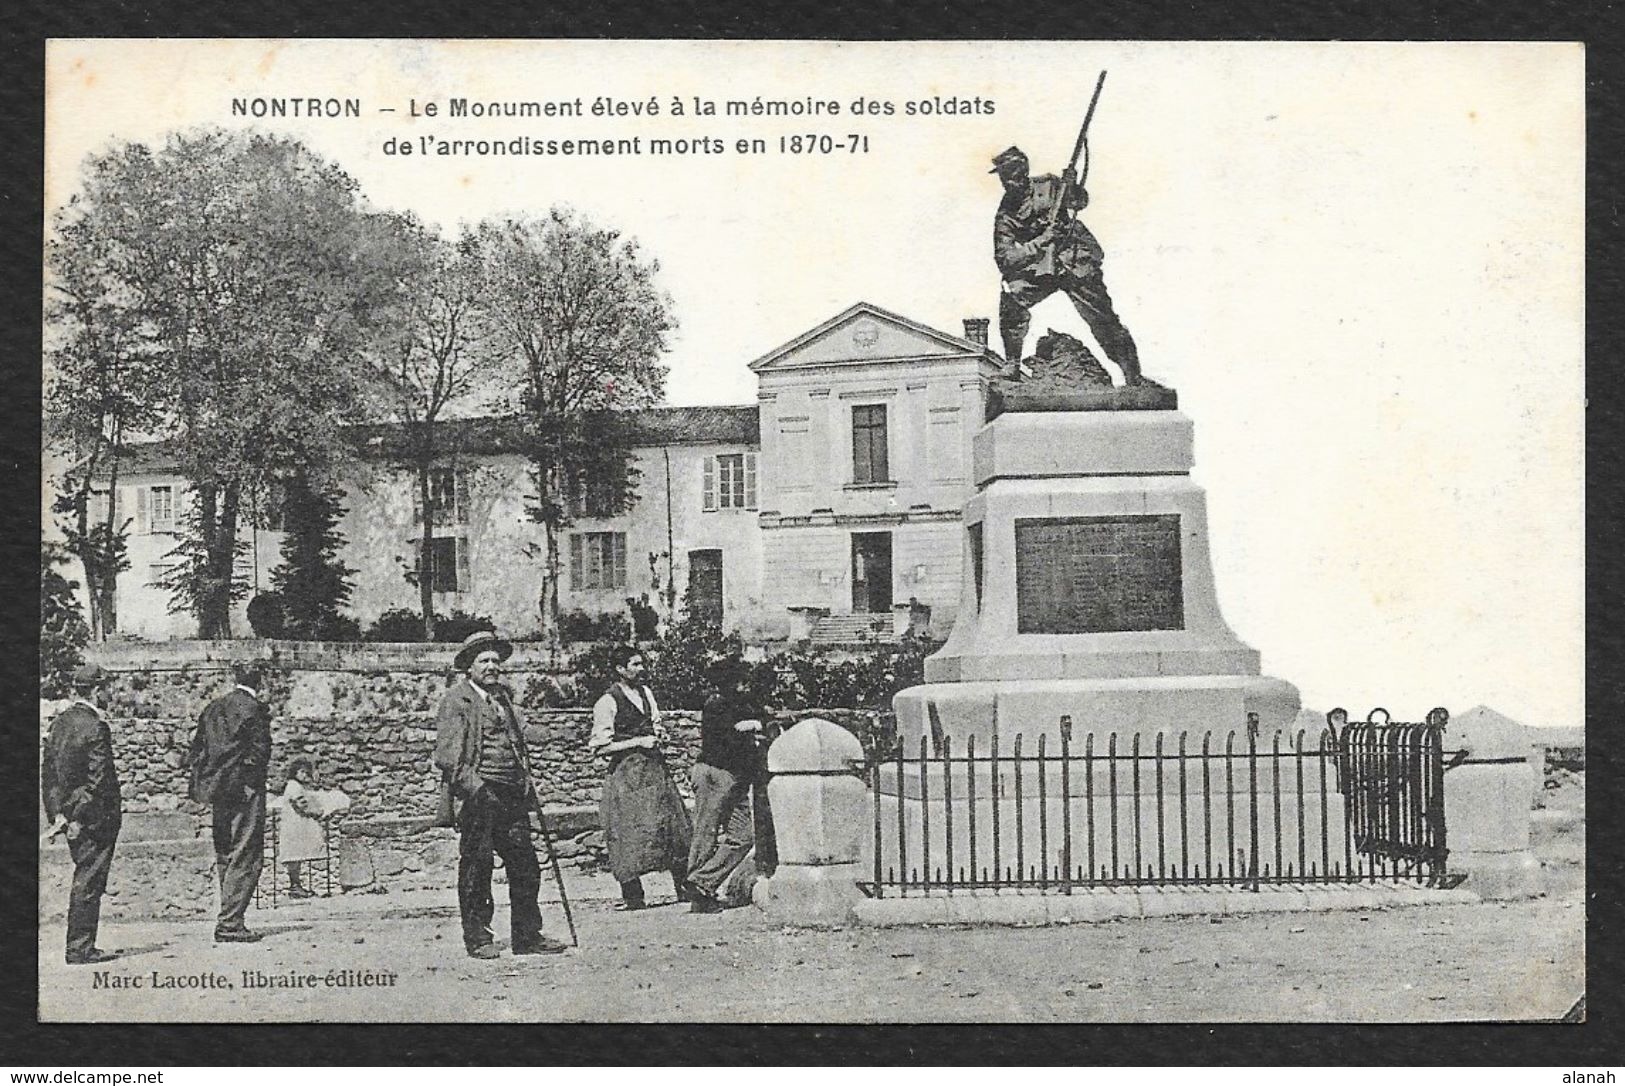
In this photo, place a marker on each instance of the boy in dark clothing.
(723, 774)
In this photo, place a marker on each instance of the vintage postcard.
(633, 531)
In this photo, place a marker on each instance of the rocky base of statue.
(1063, 374)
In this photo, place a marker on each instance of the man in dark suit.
(230, 755)
(480, 750)
(81, 788)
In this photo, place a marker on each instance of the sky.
(1361, 266)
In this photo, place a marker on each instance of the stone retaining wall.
(370, 732)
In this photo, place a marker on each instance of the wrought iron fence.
(274, 881)
(1364, 803)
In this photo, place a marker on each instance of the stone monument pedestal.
(1089, 594)
(1090, 591)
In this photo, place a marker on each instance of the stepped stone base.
(1025, 909)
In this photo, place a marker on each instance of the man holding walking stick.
(480, 750)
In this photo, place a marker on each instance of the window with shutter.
(448, 490)
(750, 480)
(464, 582)
(709, 485)
(598, 560)
(143, 510)
(99, 506)
(161, 510)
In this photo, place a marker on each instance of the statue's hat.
(1008, 156)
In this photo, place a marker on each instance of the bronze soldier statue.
(1040, 250)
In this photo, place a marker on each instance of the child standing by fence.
(303, 828)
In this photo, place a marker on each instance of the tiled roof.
(650, 428)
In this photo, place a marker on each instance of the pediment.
(862, 334)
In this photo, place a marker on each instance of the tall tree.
(254, 273)
(575, 306)
(311, 583)
(97, 387)
(432, 363)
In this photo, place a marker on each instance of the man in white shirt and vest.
(646, 826)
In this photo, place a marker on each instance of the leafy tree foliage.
(253, 280)
(433, 361)
(576, 309)
(97, 388)
(311, 583)
(63, 630)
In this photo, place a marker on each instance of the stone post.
(1486, 807)
(821, 810)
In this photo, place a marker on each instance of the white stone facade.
(862, 429)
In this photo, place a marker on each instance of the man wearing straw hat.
(480, 748)
(81, 788)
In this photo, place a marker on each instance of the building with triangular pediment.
(866, 425)
(829, 510)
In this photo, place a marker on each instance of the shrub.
(681, 659)
(645, 619)
(265, 615)
(405, 624)
(579, 625)
(313, 585)
(814, 678)
(397, 624)
(458, 625)
(64, 633)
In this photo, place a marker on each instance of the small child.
(303, 835)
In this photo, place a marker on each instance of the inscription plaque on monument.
(1098, 574)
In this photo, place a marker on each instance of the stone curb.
(1093, 906)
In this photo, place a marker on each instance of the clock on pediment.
(866, 334)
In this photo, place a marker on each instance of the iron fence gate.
(1393, 778)
(1364, 803)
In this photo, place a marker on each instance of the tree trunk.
(87, 556)
(217, 516)
(107, 601)
(229, 508)
(550, 578)
(426, 551)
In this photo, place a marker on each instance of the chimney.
(976, 330)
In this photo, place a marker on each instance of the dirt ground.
(1480, 962)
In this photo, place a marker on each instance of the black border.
(1586, 1046)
